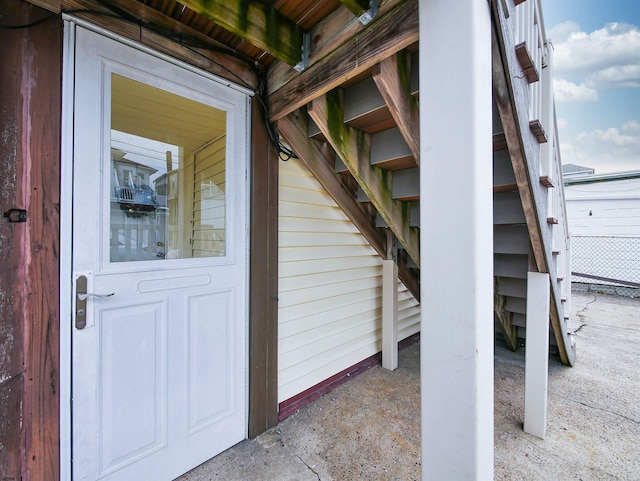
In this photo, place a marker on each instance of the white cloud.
(568, 92)
(631, 126)
(561, 32)
(620, 76)
(611, 136)
(604, 59)
(562, 123)
(606, 150)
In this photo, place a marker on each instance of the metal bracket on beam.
(370, 14)
(306, 49)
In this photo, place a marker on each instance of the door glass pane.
(168, 172)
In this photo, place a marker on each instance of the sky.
(596, 48)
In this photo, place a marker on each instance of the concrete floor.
(369, 428)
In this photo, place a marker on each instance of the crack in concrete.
(581, 312)
(288, 448)
(579, 328)
(567, 398)
(307, 465)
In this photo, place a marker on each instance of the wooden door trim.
(263, 279)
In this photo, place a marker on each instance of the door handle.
(81, 301)
(83, 296)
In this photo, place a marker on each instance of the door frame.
(66, 233)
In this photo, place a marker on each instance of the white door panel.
(159, 220)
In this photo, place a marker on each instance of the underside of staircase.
(361, 140)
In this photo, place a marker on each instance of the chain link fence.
(606, 264)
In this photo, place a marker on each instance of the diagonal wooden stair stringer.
(512, 99)
(391, 76)
(504, 317)
(318, 158)
(353, 146)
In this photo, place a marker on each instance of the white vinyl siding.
(330, 288)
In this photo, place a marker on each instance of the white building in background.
(602, 204)
(603, 212)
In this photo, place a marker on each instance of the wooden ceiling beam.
(326, 36)
(201, 57)
(364, 10)
(392, 77)
(383, 37)
(51, 5)
(353, 146)
(357, 7)
(258, 23)
(318, 158)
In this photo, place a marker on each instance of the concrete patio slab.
(369, 428)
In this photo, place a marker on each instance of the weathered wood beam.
(318, 158)
(328, 35)
(512, 106)
(51, 5)
(353, 147)
(392, 77)
(364, 10)
(357, 7)
(385, 36)
(256, 22)
(504, 318)
(208, 60)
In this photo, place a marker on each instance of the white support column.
(536, 354)
(389, 314)
(456, 196)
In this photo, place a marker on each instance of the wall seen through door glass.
(167, 182)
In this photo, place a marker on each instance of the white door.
(159, 239)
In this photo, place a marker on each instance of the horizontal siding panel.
(330, 288)
(297, 178)
(317, 239)
(408, 331)
(316, 225)
(314, 280)
(335, 290)
(324, 252)
(309, 211)
(299, 326)
(305, 196)
(409, 312)
(296, 379)
(322, 305)
(324, 327)
(317, 266)
(316, 343)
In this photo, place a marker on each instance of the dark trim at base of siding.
(288, 407)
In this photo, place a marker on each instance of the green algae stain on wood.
(357, 7)
(335, 118)
(256, 22)
(353, 147)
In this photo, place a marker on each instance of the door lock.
(81, 301)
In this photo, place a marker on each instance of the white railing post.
(567, 285)
(536, 354)
(547, 116)
(389, 314)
